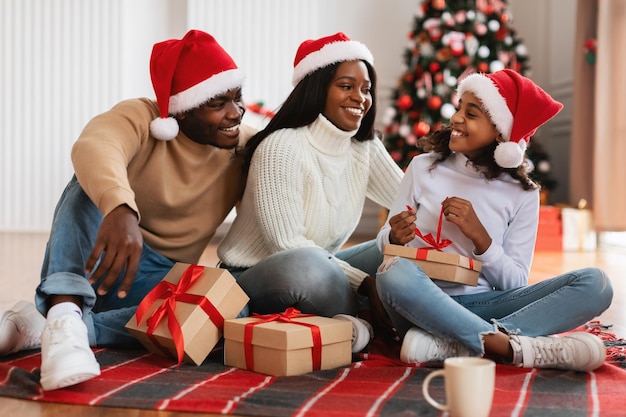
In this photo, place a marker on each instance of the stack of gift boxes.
(565, 228)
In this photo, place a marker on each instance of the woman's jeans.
(549, 307)
(74, 229)
(308, 279)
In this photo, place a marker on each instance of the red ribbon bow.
(171, 294)
(429, 239)
(286, 317)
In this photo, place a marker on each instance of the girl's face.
(349, 96)
(472, 129)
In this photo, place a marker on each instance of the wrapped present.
(578, 230)
(289, 343)
(436, 264)
(444, 266)
(183, 316)
(549, 229)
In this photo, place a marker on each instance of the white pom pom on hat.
(186, 73)
(314, 54)
(516, 106)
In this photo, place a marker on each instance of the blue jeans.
(74, 229)
(308, 279)
(552, 306)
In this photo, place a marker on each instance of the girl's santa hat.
(314, 54)
(186, 73)
(516, 106)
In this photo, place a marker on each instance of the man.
(153, 181)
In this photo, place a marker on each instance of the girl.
(475, 175)
(309, 172)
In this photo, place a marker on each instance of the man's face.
(215, 122)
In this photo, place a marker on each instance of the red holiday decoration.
(434, 102)
(405, 102)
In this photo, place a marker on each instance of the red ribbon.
(286, 317)
(171, 294)
(430, 240)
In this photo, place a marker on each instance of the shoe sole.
(590, 339)
(70, 376)
(359, 343)
(21, 308)
(407, 346)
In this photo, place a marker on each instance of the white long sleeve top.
(307, 187)
(509, 213)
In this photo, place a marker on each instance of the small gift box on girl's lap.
(444, 266)
(183, 316)
(289, 343)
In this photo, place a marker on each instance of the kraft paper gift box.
(183, 316)
(439, 265)
(287, 344)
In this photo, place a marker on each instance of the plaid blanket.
(374, 385)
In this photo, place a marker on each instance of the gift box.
(578, 230)
(439, 265)
(289, 343)
(549, 230)
(183, 316)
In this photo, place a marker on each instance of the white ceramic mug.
(469, 385)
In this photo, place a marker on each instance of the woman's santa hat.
(516, 106)
(186, 73)
(314, 54)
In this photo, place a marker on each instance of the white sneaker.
(578, 351)
(420, 346)
(20, 328)
(362, 331)
(66, 358)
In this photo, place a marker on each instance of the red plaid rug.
(374, 385)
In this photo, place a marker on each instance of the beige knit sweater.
(182, 190)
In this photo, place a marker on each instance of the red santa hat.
(186, 73)
(516, 106)
(314, 54)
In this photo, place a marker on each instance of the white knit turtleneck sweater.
(306, 187)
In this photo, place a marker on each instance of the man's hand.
(119, 238)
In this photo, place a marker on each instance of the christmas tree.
(450, 39)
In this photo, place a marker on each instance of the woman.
(309, 172)
(475, 176)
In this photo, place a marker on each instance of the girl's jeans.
(552, 306)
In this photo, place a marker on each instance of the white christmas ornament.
(404, 130)
(447, 110)
(493, 25)
(483, 51)
(495, 66)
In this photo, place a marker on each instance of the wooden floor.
(20, 260)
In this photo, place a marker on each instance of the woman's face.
(472, 129)
(349, 96)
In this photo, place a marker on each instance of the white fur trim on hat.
(493, 102)
(330, 54)
(204, 91)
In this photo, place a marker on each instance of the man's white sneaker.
(20, 328)
(362, 331)
(420, 346)
(578, 351)
(66, 358)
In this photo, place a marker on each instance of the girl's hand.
(461, 213)
(402, 227)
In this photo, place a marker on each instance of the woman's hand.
(402, 227)
(380, 319)
(461, 212)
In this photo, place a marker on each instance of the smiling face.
(472, 129)
(215, 122)
(349, 96)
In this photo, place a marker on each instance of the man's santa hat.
(516, 106)
(186, 73)
(314, 54)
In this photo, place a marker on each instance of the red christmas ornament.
(434, 102)
(421, 129)
(483, 67)
(463, 60)
(405, 102)
(438, 78)
(414, 115)
(408, 78)
(434, 67)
